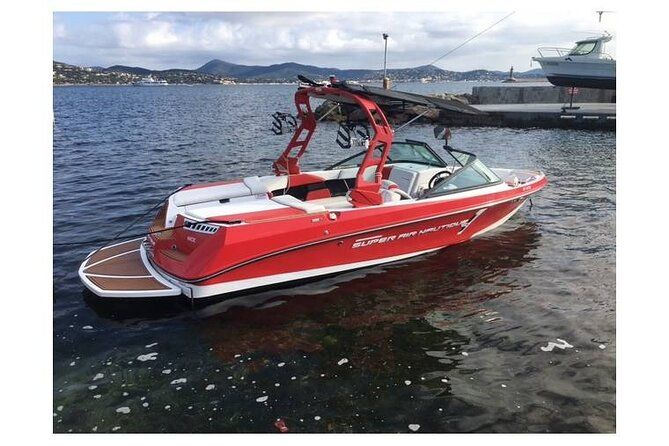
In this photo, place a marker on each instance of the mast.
(386, 81)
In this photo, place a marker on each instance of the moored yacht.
(586, 65)
(150, 81)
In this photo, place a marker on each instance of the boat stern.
(123, 270)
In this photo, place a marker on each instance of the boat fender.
(512, 181)
(388, 195)
(391, 186)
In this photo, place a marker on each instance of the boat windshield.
(472, 174)
(408, 151)
(583, 48)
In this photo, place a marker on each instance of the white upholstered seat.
(306, 206)
(330, 203)
(212, 193)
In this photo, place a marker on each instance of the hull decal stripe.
(256, 282)
(471, 220)
(353, 234)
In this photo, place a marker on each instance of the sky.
(339, 40)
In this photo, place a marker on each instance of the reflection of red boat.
(393, 200)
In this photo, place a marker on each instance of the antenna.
(600, 14)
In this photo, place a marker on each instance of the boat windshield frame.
(595, 44)
(367, 189)
(389, 159)
(468, 165)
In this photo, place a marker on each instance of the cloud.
(345, 40)
(59, 31)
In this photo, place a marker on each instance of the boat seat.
(340, 202)
(352, 172)
(213, 193)
(405, 179)
(273, 182)
(247, 187)
(308, 207)
(391, 192)
(326, 174)
(256, 186)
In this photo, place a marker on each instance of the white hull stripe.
(331, 239)
(238, 285)
(499, 222)
(177, 287)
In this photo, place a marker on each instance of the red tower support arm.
(287, 163)
(366, 191)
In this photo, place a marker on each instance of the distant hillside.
(289, 71)
(218, 71)
(130, 70)
(124, 75)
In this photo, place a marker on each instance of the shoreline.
(538, 80)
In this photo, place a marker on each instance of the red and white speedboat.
(391, 201)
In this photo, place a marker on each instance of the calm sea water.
(455, 341)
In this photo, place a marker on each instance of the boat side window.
(355, 160)
(408, 152)
(462, 158)
(472, 175)
(583, 48)
(400, 152)
(483, 170)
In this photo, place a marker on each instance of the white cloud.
(162, 35)
(345, 40)
(59, 31)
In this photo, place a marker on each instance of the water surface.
(450, 341)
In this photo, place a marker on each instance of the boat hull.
(274, 247)
(359, 250)
(598, 73)
(600, 83)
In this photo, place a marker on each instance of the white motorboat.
(586, 65)
(150, 81)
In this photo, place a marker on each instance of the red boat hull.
(223, 237)
(297, 246)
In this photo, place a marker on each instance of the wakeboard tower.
(390, 201)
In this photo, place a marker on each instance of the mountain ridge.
(218, 71)
(292, 69)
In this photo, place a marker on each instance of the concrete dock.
(543, 106)
(593, 116)
(517, 106)
(538, 93)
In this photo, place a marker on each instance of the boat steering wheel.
(438, 178)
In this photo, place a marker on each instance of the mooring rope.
(120, 234)
(472, 38)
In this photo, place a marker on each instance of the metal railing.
(552, 51)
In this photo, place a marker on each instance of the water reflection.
(457, 325)
(438, 278)
(297, 319)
